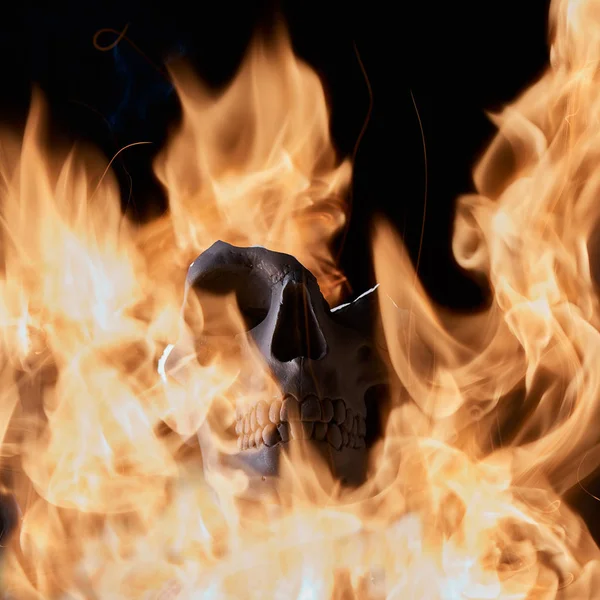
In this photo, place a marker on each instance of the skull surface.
(323, 361)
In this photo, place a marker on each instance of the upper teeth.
(287, 419)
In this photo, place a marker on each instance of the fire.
(489, 414)
(255, 165)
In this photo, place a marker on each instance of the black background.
(451, 61)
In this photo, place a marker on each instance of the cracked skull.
(323, 361)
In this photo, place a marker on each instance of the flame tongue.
(256, 166)
(489, 414)
(516, 388)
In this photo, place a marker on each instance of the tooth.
(270, 435)
(362, 426)
(344, 437)
(247, 424)
(274, 412)
(310, 409)
(253, 420)
(284, 432)
(239, 413)
(262, 413)
(320, 431)
(251, 442)
(349, 419)
(239, 427)
(327, 411)
(339, 411)
(355, 425)
(245, 442)
(307, 429)
(361, 442)
(290, 409)
(296, 431)
(334, 436)
(239, 442)
(258, 438)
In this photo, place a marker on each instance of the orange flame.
(514, 389)
(489, 414)
(255, 165)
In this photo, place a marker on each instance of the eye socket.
(228, 301)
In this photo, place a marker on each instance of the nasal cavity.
(297, 331)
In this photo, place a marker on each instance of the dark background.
(458, 60)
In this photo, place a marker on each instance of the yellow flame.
(489, 414)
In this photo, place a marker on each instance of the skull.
(324, 361)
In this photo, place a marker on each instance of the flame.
(255, 165)
(488, 418)
(513, 389)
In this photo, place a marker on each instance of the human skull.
(324, 361)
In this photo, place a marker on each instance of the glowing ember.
(489, 421)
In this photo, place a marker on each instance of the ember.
(238, 436)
